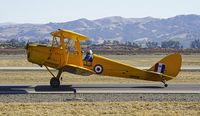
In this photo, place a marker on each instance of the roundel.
(98, 68)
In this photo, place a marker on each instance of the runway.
(101, 88)
(100, 92)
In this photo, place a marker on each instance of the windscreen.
(70, 45)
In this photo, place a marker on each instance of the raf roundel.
(98, 69)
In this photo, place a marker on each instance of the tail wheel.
(165, 84)
(55, 82)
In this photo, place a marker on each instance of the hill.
(182, 28)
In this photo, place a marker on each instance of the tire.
(55, 82)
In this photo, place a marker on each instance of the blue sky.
(45, 11)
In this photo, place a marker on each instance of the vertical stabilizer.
(170, 65)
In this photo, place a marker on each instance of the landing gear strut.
(55, 80)
(164, 82)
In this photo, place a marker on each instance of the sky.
(45, 11)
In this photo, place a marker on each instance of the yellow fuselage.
(57, 58)
(52, 56)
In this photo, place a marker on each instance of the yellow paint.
(114, 68)
(57, 56)
(65, 53)
(69, 34)
(173, 64)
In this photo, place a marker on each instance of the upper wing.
(69, 34)
(77, 70)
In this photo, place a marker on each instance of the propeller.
(27, 45)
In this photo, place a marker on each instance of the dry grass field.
(149, 60)
(102, 108)
(134, 60)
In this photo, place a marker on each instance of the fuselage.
(53, 57)
(58, 58)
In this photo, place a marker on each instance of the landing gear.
(55, 80)
(164, 82)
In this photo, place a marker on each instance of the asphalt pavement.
(101, 88)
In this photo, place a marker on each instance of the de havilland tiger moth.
(65, 55)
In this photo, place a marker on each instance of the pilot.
(88, 56)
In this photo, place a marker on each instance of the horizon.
(45, 11)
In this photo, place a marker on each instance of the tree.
(87, 42)
(195, 43)
(107, 42)
(135, 45)
(152, 44)
(128, 43)
(170, 44)
(44, 41)
(115, 42)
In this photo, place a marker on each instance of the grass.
(14, 60)
(149, 60)
(102, 108)
(134, 60)
(43, 77)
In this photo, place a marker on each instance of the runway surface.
(101, 88)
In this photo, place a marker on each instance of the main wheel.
(55, 82)
(166, 85)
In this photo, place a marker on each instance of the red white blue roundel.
(98, 69)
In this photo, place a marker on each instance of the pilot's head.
(90, 52)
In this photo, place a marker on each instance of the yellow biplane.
(65, 55)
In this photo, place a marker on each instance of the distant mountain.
(182, 28)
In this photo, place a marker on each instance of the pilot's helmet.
(90, 51)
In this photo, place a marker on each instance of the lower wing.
(77, 70)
